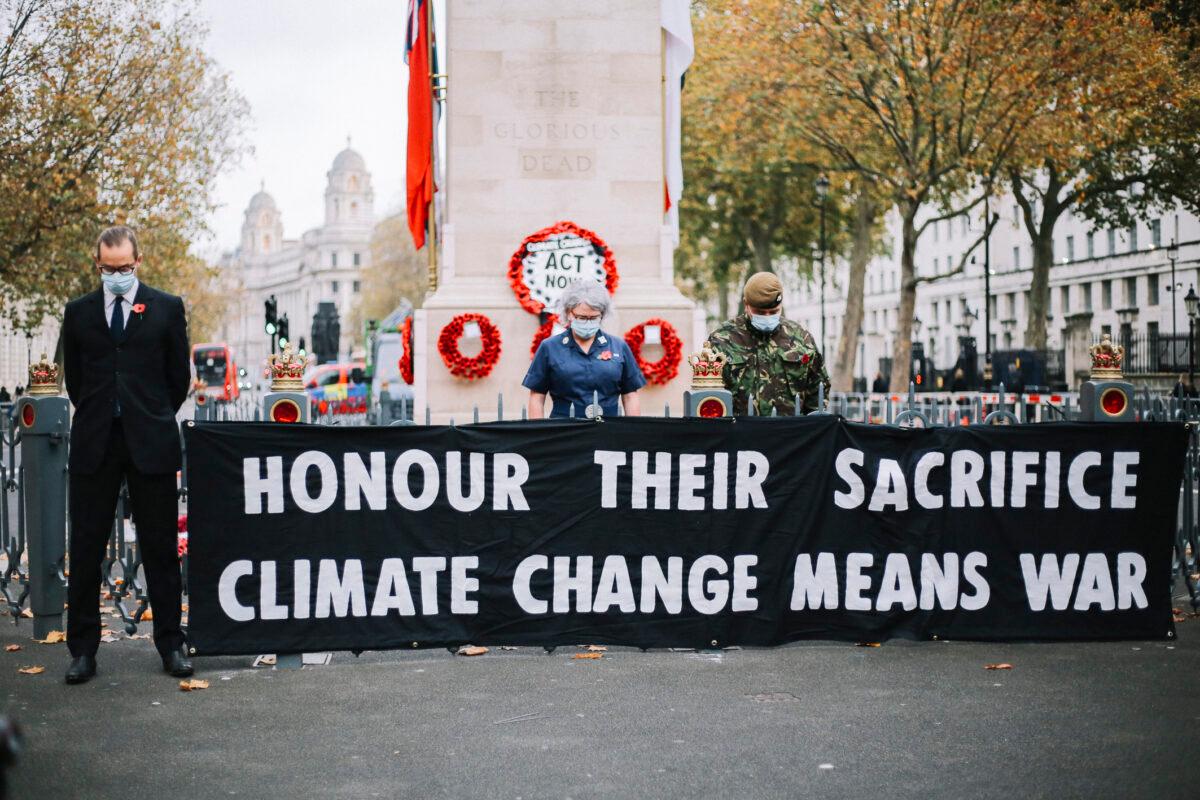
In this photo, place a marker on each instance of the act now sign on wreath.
(689, 532)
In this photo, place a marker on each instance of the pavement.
(820, 720)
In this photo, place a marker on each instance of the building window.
(992, 304)
(357, 257)
(1091, 244)
(1085, 292)
(1133, 244)
(1105, 295)
(1016, 216)
(334, 286)
(1065, 300)
(1112, 241)
(1152, 290)
(1130, 292)
(966, 224)
(1156, 232)
(1070, 248)
(1010, 305)
(354, 211)
(1152, 331)
(333, 259)
(1106, 330)
(357, 286)
(935, 231)
(1016, 258)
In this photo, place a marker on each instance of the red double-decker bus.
(215, 366)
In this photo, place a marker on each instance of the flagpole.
(662, 68)
(431, 221)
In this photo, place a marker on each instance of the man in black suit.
(127, 369)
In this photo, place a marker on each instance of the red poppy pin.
(138, 308)
(804, 359)
(605, 356)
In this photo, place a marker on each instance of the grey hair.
(585, 292)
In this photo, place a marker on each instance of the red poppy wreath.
(543, 333)
(550, 259)
(666, 368)
(406, 360)
(459, 365)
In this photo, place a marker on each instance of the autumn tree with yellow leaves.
(110, 112)
(925, 101)
(1119, 143)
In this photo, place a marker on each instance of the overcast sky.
(314, 72)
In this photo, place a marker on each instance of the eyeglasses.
(586, 319)
(125, 270)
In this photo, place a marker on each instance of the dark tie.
(117, 326)
(117, 323)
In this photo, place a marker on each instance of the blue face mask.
(117, 284)
(585, 329)
(765, 322)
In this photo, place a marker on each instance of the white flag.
(677, 24)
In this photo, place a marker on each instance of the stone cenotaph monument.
(554, 114)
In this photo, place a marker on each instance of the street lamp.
(822, 192)
(988, 221)
(1190, 302)
(1173, 256)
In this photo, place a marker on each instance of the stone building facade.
(1117, 281)
(324, 264)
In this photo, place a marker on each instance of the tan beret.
(763, 290)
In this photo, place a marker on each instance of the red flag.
(419, 173)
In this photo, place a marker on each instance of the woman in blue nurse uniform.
(584, 362)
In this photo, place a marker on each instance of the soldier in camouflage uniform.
(772, 358)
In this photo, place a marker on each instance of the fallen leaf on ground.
(471, 650)
(1176, 610)
(507, 647)
(140, 636)
(587, 656)
(596, 648)
(192, 685)
(108, 596)
(107, 609)
(31, 670)
(869, 644)
(12, 648)
(148, 616)
(184, 608)
(997, 666)
(27, 614)
(109, 639)
(53, 637)
(1179, 618)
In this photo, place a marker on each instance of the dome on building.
(349, 161)
(261, 200)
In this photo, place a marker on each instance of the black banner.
(674, 532)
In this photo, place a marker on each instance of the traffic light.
(272, 322)
(283, 330)
(920, 366)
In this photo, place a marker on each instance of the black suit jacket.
(148, 370)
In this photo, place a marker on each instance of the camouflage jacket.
(774, 367)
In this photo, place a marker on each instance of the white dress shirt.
(126, 304)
